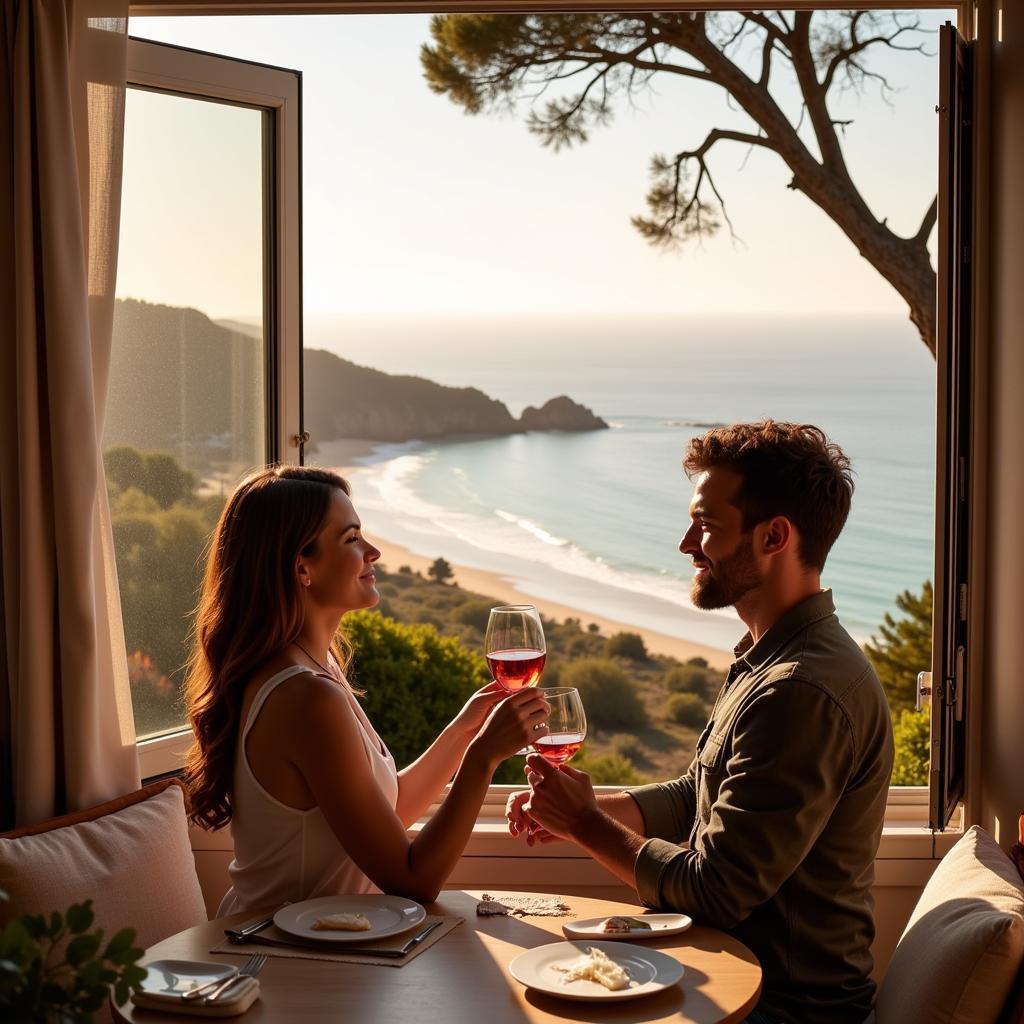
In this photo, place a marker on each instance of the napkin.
(239, 998)
(522, 906)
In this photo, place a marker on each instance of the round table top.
(464, 976)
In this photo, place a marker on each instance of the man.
(772, 832)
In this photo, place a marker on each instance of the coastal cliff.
(182, 382)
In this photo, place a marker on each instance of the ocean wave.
(531, 528)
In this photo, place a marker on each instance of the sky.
(413, 207)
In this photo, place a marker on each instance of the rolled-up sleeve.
(792, 754)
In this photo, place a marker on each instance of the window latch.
(298, 440)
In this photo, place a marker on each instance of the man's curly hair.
(788, 469)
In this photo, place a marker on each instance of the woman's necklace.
(323, 668)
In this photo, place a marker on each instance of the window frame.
(162, 750)
(277, 92)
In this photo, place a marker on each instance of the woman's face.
(340, 573)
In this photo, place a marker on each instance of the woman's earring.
(306, 582)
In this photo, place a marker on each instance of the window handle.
(923, 697)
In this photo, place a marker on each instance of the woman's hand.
(475, 711)
(516, 722)
(520, 823)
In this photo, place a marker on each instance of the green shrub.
(628, 746)
(608, 769)
(415, 680)
(552, 675)
(609, 697)
(686, 709)
(627, 645)
(474, 613)
(688, 679)
(402, 579)
(911, 733)
(698, 661)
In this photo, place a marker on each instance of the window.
(476, 264)
(201, 381)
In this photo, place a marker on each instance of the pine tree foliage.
(904, 647)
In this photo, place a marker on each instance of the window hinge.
(298, 440)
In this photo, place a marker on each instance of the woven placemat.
(274, 942)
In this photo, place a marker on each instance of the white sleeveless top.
(283, 853)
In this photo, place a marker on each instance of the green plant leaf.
(35, 925)
(121, 992)
(56, 922)
(80, 916)
(82, 947)
(135, 974)
(120, 944)
(54, 994)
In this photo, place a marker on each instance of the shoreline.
(347, 457)
(491, 584)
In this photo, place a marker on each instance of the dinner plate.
(661, 924)
(388, 915)
(176, 977)
(649, 971)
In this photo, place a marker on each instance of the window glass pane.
(186, 407)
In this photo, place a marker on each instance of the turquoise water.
(594, 519)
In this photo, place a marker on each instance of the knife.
(239, 934)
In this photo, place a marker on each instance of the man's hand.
(519, 822)
(560, 799)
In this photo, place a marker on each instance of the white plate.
(175, 977)
(661, 924)
(388, 915)
(649, 970)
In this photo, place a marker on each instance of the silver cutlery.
(249, 969)
(240, 934)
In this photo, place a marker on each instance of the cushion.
(131, 856)
(964, 943)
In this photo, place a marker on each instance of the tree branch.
(923, 233)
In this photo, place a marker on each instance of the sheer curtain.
(66, 733)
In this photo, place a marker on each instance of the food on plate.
(618, 925)
(596, 966)
(342, 923)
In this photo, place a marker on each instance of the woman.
(282, 749)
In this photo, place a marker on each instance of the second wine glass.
(567, 725)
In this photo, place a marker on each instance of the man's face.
(722, 553)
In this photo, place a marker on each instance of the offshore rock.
(561, 413)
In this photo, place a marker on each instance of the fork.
(249, 969)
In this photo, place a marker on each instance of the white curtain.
(66, 734)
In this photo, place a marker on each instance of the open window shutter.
(952, 477)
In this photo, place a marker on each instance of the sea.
(593, 520)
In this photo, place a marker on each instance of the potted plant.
(58, 970)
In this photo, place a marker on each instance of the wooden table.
(464, 977)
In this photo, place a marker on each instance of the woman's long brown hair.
(248, 612)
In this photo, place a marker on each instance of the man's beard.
(729, 580)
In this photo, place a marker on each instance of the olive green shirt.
(781, 811)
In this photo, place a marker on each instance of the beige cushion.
(964, 942)
(134, 861)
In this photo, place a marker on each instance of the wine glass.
(567, 725)
(514, 645)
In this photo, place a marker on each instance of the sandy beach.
(496, 586)
(342, 456)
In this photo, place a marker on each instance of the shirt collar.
(750, 655)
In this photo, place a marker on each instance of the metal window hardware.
(923, 697)
(298, 440)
